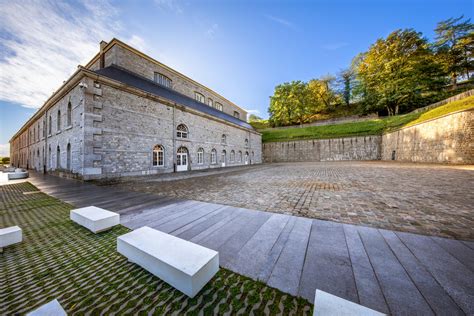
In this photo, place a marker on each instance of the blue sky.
(240, 49)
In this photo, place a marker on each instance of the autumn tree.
(289, 103)
(398, 71)
(455, 46)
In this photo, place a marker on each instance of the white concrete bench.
(94, 218)
(182, 264)
(326, 304)
(9, 236)
(52, 308)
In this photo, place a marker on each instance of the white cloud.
(137, 42)
(256, 112)
(211, 32)
(280, 21)
(4, 150)
(169, 5)
(43, 42)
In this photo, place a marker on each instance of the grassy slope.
(371, 127)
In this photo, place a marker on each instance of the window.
(162, 80)
(68, 151)
(199, 97)
(223, 157)
(232, 156)
(182, 131)
(200, 156)
(240, 156)
(237, 114)
(59, 121)
(58, 158)
(210, 103)
(246, 157)
(213, 156)
(69, 114)
(246, 142)
(158, 156)
(50, 125)
(218, 106)
(44, 127)
(224, 139)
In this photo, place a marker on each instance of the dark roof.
(131, 79)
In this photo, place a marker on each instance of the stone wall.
(348, 148)
(447, 139)
(125, 58)
(126, 127)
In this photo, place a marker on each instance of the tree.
(454, 46)
(322, 95)
(289, 103)
(254, 118)
(398, 71)
(345, 82)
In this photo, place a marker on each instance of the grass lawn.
(59, 259)
(370, 127)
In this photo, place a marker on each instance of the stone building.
(126, 114)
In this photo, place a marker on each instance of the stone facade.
(348, 148)
(107, 129)
(447, 139)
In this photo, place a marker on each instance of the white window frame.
(182, 131)
(157, 150)
(218, 106)
(200, 156)
(163, 80)
(213, 156)
(210, 102)
(199, 97)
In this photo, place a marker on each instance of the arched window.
(59, 120)
(200, 156)
(158, 156)
(213, 156)
(232, 156)
(50, 156)
(69, 114)
(223, 157)
(240, 156)
(246, 142)
(182, 131)
(210, 102)
(224, 139)
(58, 158)
(68, 154)
(246, 157)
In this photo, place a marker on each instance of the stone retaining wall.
(348, 148)
(447, 139)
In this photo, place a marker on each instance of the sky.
(240, 49)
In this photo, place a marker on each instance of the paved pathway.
(428, 199)
(392, 272)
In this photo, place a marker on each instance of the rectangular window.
(200, 157)
(199, 97)
(237, 114)
(162, 80)
(218, 106)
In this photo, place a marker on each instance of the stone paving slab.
(391, 272)
(428, 199)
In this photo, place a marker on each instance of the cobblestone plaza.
(419, 198)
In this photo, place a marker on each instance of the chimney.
(102, 55)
